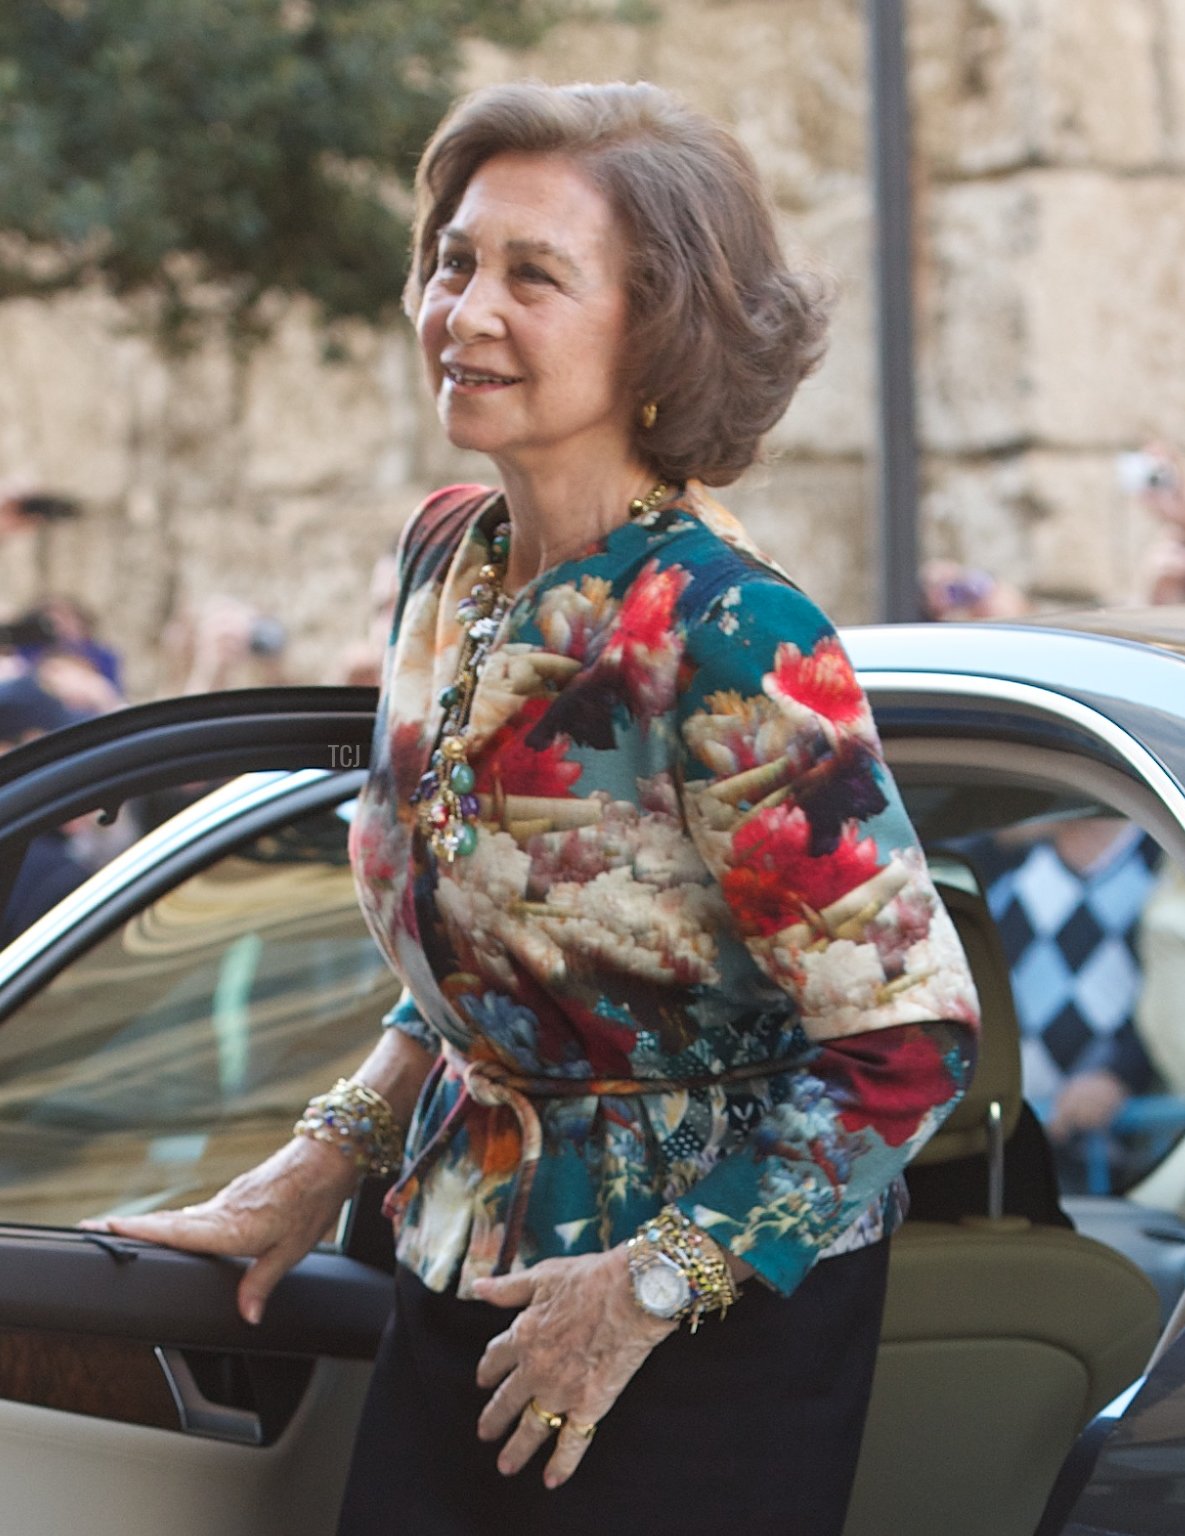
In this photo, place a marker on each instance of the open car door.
(159, 1031)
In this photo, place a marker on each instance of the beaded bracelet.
(702, 1261)
(358, 1122)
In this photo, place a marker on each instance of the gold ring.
(549, 1420)
(585, 1431)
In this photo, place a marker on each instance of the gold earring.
(649, 414)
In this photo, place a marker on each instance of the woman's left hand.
(577, 1341)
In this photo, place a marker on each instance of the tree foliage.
(199, 155)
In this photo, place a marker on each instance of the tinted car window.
(179, 1049)
(1070, 897)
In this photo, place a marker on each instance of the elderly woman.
(680, 999)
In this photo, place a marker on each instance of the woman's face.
(522, 324)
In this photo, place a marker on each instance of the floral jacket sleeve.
(788, 801)
(695, 910)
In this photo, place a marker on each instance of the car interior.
(1005, 1332)
(1017, 1309)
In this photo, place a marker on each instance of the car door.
(1013, 739)
(991, 767)
(158, 1032)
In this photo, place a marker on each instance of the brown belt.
(494, 1086)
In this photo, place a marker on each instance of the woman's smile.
(476, 380)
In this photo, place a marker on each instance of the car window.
(1073, 897)
(178, 1050)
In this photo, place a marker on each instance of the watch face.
(662, 1287)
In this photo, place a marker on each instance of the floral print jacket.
(691, 862)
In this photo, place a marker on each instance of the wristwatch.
(661, 1286)
(677, 1271)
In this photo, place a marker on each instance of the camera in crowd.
(44, 508)
(268, 637)
(32, 628)
(1140, 472)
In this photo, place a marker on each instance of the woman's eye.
(454, 261)
(533, 274)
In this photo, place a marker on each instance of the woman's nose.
(476, 311)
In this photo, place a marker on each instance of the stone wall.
(1050, 210)
(1051, 290)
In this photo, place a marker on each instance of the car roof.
(1133, 679)
(1109, 654)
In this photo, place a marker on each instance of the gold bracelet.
(672, 1243)
(358, 1121)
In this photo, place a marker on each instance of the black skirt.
(752, 1424)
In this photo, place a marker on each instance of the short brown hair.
(720, 331)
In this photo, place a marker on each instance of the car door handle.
(198, 1414)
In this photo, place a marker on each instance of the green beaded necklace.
(448, 808)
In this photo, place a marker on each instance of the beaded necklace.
(448, 808)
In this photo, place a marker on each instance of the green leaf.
(254, 144)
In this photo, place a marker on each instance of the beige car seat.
(1002, 1337)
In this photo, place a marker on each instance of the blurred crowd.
(1154, 476)
(57, 670)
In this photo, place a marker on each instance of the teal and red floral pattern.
(691, 861)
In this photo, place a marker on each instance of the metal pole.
(897, 538)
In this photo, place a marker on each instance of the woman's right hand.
(272, 1214)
